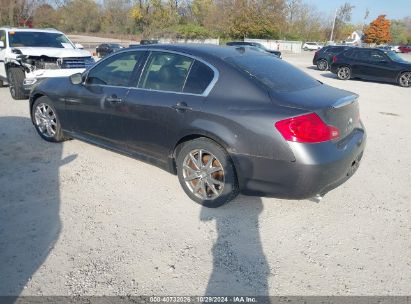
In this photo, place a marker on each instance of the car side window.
(363, 55)
(351, 53)
(334, 50)
(165, 72)
(115, 71)
(199, 78)
(377, 56)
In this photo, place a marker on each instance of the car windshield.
(39, 39)
(395, 57)
(276, 74)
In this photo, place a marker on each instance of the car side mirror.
(2, 46)
(76, 78)
(79, 46)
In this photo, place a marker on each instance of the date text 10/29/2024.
(202, 299)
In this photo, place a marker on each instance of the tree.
(80, 16)
(45, 16)
(343, 17)
(399, 32)
(378, 31)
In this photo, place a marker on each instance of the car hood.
(53, 52)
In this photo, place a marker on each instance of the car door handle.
(114, 99)
(182, 107)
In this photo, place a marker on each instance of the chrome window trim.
(204, 94)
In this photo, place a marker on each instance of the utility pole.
(332, 30)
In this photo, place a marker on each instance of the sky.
(394, 9)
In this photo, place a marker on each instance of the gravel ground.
(79, 220)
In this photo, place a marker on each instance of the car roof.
(16, 29)
(199, 50)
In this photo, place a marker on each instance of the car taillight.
(307, 128)
(334, 59)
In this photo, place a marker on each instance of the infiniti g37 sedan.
(224, 120)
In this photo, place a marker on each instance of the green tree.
(80, 16)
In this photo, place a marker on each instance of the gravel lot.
(79, 220)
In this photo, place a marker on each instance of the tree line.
(226, 19)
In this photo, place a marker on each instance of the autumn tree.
(378, 31)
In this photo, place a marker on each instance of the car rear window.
(275, 73)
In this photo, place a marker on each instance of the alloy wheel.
(344, 73)
(322, 65)
(405, 79)
(203, 174)
(46, 120)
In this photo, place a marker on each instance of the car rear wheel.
(16, 77)
(344, 73)
(322, 65)
(46, 121)
(405, 79)
(206, 173)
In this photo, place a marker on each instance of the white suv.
(29, 55)
(311, 46)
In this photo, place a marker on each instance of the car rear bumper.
(318, 169)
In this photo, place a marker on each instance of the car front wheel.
(206, 173)
(344, 73)
(16, 77)
(322, 65)
(46, 120)
(405, 79)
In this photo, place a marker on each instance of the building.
(355, 38)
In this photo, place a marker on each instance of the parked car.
(148, 41)
(107, 48)
(243, 48)
(323, 57)
(385, 48)
(254, 44)
(396, 48)
(311, 46)
(405, 48)
(28, 56)
(372, 64)
(218, 117)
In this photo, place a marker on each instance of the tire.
(45, 120)
(344, 72)
(16, 77)
(322, 65)
(196, 182)
(405, 80)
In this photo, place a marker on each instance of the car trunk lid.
(336, 107)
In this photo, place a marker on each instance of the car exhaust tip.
(317, 198)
